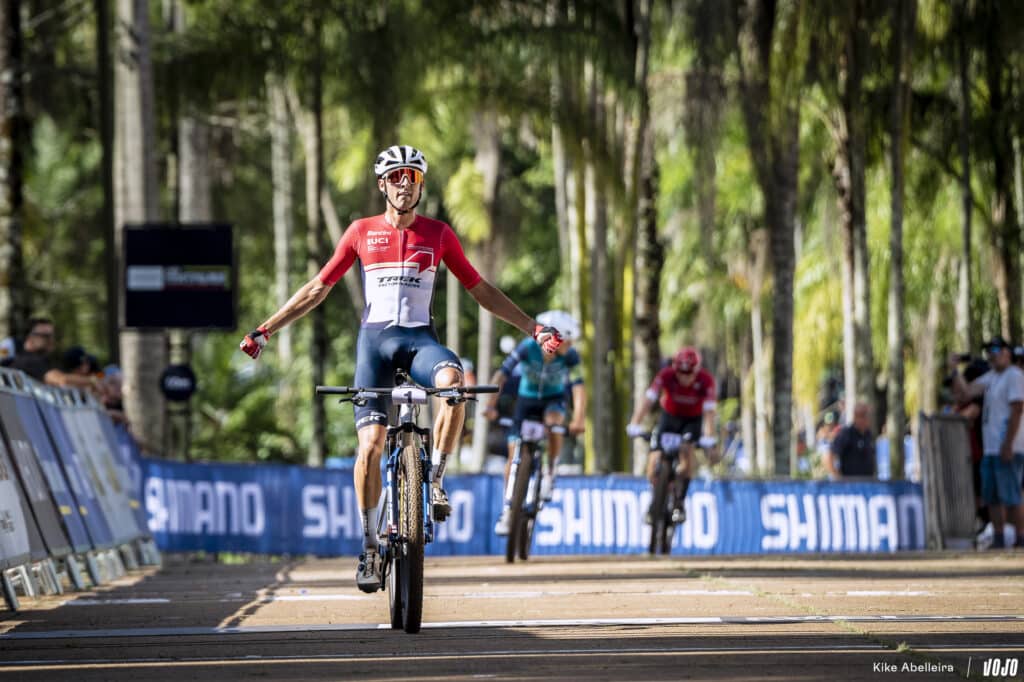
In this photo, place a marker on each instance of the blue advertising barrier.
(80, 477)
(38, 438)
(273, 509)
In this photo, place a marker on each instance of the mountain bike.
(409, 527)
(663, 499)
(523, 487)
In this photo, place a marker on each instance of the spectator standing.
(854, 446)
(1002, 462)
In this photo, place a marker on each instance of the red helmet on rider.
(687, 360)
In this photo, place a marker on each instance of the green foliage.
(415, 72)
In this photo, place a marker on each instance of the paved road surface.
(919, 617)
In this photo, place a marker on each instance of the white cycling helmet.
(565, 323)
(399, 156)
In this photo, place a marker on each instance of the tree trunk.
(905, 14)
(104, 79)
(281, 181)
(761, 445)
(314, 151)
(771, 110)
(14, 140)
(964, 328)
(1006, 238)
(559, 152)
(195, 205)
(927, 344)
(849, 173)
(143, 354)
(649, 254)
(487, 139)
(782, 209)
(601, 450)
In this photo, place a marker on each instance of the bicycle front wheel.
(658, 506)
(517, 518)
(410, 549)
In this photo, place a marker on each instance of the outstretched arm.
(309, 296)
(492, 299)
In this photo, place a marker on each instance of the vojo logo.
(1000, 667)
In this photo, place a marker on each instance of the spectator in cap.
(76, 361)
(1002, 463)
(36, 358)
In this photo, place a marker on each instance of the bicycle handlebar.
(351, 390)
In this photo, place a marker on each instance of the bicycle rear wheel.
(658, 504)
(517, 517)
(409, 558)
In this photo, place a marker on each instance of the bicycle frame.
(537, 441)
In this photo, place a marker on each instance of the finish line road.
(926, 616)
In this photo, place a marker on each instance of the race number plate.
(408, 395)
(532, 431)
(671, 441)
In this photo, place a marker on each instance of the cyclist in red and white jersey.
(686, 393)
(399, 253)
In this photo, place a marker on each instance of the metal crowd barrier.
(67, 497)
(947, 480)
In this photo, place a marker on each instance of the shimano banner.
(294, 510)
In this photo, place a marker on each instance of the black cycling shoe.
(369, 576)
(439, 504)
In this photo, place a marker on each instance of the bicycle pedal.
(441, 512)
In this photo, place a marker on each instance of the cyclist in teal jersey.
(545, 378)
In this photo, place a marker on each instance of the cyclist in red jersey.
(399, 254)
(687, 397)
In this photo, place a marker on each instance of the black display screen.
(179, 277)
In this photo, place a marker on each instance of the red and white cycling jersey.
(683, 401)
(399, 267)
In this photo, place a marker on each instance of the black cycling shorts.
(687, 427)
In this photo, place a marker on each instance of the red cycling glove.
(253, 343)
(548, 338)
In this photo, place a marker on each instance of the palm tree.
(771, 42)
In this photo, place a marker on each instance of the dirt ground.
(921, 616)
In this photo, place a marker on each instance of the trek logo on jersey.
(399, 280)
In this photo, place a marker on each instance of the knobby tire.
(517, 518)
(410, 527)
